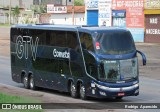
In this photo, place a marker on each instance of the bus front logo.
(118, 56)
(22, 45)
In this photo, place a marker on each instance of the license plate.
(121, 94)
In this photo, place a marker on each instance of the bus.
(85, 61)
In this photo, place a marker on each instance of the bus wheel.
(73, 90)
(82, 92)
(32, 83)
(25, 82)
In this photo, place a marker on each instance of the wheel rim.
(25, 81)
(72, 89)
(31, 82)
(82, 91)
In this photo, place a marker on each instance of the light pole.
(72, 12)
(9, 12)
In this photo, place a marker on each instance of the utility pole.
(72, 12)
(9, 12)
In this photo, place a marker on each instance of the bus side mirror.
(143, 57)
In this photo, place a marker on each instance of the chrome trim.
(117, 89)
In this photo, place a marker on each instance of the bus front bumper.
(103, 91)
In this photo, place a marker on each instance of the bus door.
(63, 74)
(76, 60)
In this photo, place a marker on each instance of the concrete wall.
(25, 3)
(68, 2)
(152, 28)
(79, 18)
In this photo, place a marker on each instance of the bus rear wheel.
(32, 83)
(73, 90)
(25, 82)
(82, 92)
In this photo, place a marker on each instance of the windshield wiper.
(130, 78)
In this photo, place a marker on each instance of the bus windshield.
(117, 42)
(118, 70)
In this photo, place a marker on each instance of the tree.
(16, 12)
(38, 9)
(78, 2)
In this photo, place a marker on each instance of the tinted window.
(15, 32)
(90, 63)
(76, 69)
(41, 34)
(92, 70)
(72, 40)
(60, 38)
(119, 42)
(44, 64)
(64, 67)
(86, 41)
(56, 38)
(51, 38)
(52, 65)
(87, 44)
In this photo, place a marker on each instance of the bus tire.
(32, 83)
(82, 92)
(25, 82)
(73, 90)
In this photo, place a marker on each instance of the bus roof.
(84, 28)
(101, 28)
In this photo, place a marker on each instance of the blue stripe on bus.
(115, 57)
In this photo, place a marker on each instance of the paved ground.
(152, 52)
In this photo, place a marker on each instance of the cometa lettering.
(59, 54)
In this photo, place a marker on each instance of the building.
(55, 2)
(67, 17)
(152, 21)
(20, 3)
(118, 13)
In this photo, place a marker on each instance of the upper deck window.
(114, 42)
(86, 41)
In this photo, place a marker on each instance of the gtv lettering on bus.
(60, 54)
(22, 45)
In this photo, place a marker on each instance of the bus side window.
(41, 34)
(52, 38)
(87, 45)
(92, 70)
(61, 38)
(86, 41)
(72, 41)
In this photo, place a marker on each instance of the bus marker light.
(136, 91)
(97, 45)
(102, 93)
(93, 85)
(93, 91)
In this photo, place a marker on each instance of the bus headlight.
(101, 87)
(136, 85)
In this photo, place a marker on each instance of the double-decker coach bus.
(84, 61)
